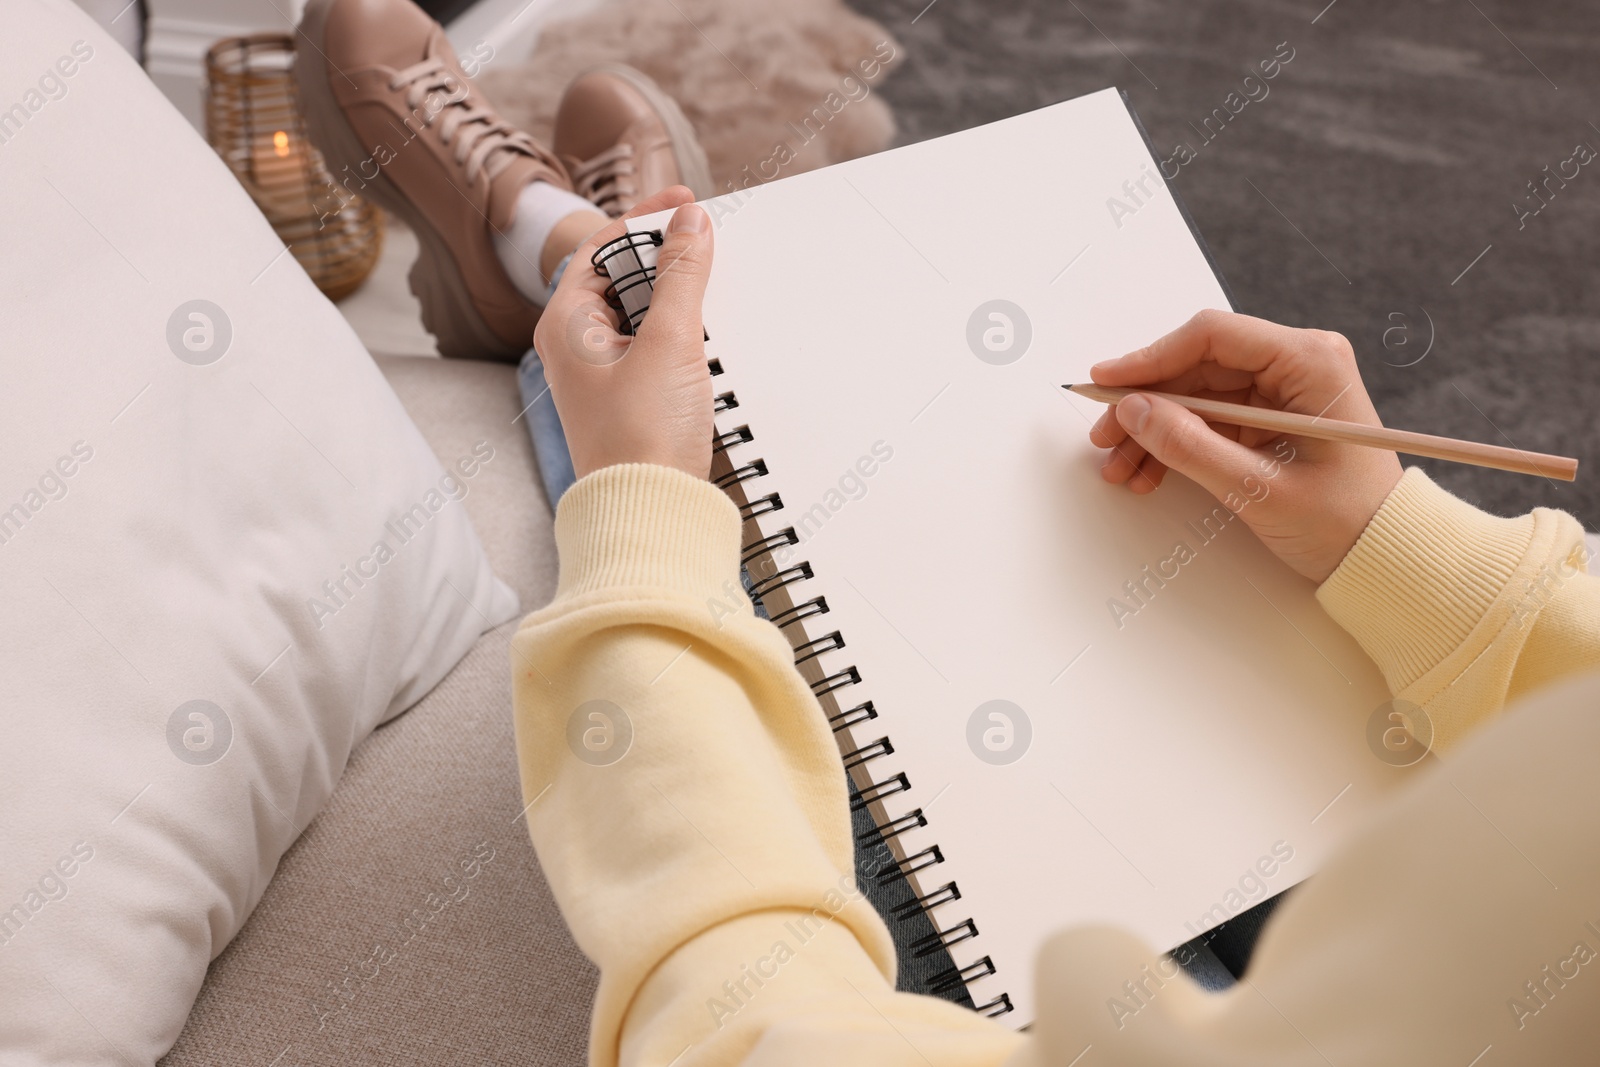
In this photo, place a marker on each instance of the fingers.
(1309, 371)
(683, 269)
(1237, 342)
(1220, 350)
(586, 278)
(1107, 432)
(1129, 464)
(1175, 437)
(577, 320)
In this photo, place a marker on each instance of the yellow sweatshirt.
(1462, 923)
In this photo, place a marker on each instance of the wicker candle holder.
(253, 120)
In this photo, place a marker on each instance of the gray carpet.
(1391, 147)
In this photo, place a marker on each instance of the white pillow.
(177, 495)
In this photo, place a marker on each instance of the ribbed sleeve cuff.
(1429, 570)
(637, 524)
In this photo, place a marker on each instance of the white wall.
(180, 31)
(122, 19)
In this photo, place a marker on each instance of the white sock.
(540, 206)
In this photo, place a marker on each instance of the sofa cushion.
(424, 830)
(200, 462)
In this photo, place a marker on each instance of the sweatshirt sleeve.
(687, 804)
(1463, 611)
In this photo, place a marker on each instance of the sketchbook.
(1061, 703)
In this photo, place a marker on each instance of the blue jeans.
(544, 427)
(544, 424)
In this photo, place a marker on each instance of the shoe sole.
(687, 151)
(447, 308)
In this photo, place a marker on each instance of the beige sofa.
(475, 970)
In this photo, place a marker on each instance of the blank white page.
(1173, 749)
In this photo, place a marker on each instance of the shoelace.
(602, 180)
(476, 132)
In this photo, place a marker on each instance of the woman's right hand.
(1307, 500)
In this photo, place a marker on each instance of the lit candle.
(278, 160)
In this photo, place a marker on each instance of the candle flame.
(280, 143)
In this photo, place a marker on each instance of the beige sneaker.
(400, 123)
(622, 139)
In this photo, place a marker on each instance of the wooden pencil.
(1412, 444)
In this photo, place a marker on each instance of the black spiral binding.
(826, 684)
(628, 244)
(630, 280)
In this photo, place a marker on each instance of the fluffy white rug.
(773, 87)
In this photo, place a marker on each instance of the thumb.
(682, 269)
(1180, 439)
